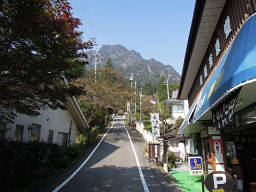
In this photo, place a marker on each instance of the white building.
(179, 145)
(52, 126)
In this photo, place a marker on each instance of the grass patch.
(183, 179)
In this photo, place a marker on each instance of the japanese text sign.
(155, 124)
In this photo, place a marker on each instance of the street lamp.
(167, 86)
(140, 101)
(131, 80)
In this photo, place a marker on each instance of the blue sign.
(195, 163)
(238, 65)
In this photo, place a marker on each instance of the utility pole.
(131, 80)
(140, 101)
(135, 100)
(96, 55)
(167, 86)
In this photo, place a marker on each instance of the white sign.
(210, 61)
(227, 27)
(218, 153)
(156, 151)
(219, 179)
(155, 124)
(217, 47)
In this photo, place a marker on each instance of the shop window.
(62, 139)
(3, 126)
(248, 117)
(193, 149)
(230, 150)
(50, 136)
(19, 132)
(35, 132)
(177, 108)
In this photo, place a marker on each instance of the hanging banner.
(155, 124)
(222, 116)
(218, 149)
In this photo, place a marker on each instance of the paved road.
(113, 166)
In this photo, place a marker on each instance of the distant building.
(179, 108)
(179, 145)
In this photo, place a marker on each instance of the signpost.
(155, 124)
(195, 166)
(219, 181)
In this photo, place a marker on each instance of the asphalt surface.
(113, 166)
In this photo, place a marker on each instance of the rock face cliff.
(130, 61)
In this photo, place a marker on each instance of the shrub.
(147, 125)
(172, 159)
(21, 164)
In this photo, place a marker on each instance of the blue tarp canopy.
(186, 121)
(238, 65)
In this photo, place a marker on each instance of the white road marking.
(143, 181)
(81, 166)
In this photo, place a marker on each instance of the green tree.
(108, 94)
(161, 89)
(173, 86)
(39, 43)
(109, 63)
(148, 88)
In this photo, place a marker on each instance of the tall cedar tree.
(39, 43)
(161, 89)
(109, 63)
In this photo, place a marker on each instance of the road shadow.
(52, 182)
(119, 179)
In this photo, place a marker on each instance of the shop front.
(240, 145)
(224, 113)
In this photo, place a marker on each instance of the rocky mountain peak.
(130, 61)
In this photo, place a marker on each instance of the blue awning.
(237, 66)
(186, 121)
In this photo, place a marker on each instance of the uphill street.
(113, 166)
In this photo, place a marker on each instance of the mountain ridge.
(131, 62)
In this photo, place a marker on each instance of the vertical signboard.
(218, 153)
(155, 124)
(195, 165)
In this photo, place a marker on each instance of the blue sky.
(157, 29)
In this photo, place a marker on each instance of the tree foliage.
(109, 63)
(161, 89)
(39, 43)
(147, 106)
(148, 88)
(173, 86)
(109, 93)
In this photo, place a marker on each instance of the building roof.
(76, 113)
(205, 18)
(75, 110)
